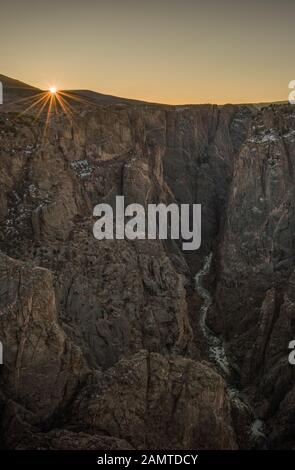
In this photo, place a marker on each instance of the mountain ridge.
(105, 99)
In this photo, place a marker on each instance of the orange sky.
(168, 51)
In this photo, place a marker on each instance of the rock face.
(256, 266)
(43, 368)
(102, 346)
(158, 402)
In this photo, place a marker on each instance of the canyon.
(137, 344)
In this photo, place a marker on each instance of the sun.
(53, 90)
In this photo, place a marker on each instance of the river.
(217, 353)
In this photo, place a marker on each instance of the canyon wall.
(102, 342)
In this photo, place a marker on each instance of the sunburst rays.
(44, 106)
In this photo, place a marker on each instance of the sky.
(166, 51)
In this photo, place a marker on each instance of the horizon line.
(147, 101)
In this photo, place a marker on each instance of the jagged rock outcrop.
(159, 402)
(42, 367)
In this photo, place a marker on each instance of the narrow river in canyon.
(217, 353)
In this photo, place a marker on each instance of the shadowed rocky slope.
(102, 343)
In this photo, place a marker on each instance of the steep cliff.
(113, 326)
(254, 301)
